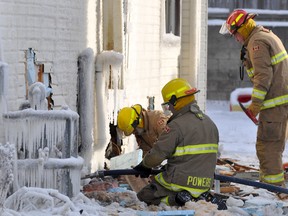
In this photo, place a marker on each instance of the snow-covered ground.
(236, 131)
(237, 141)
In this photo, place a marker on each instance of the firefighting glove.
(254, 108)
(144, 171)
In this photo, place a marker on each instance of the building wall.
(169, 62)
(57, 31)
(193, 66)
(151, 57)
(150, 60)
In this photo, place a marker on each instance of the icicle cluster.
(7, 159)
(111, 66)
(40, 138)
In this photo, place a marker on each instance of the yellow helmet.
(129, 118)
(175, 89)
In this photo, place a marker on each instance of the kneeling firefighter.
(189, 143)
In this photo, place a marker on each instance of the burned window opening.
(115, 78)
(113, 148)
(31, 66)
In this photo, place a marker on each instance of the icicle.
(7, 153)
(38, 136)
(3, 94)
(112, 63)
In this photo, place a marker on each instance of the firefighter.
(146, 125)
(190, 146)
(266, 63)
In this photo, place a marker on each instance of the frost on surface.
(107, 101)
(86, 79)
(7, 153)
(110, 63)
(31, 199)
(40, 137)
(3, 95)
(37, 96)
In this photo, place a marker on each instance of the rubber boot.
(215, 200)
(182, 197)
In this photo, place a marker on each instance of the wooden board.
(126, 161)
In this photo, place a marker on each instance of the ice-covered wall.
(153, 57)
(108, 100)
(46, 149)
(143, 58)
(57, 31)
(7, 156)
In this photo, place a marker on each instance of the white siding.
(57, 31)
(143, 55)
(193, 65)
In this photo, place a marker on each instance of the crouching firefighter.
(190, 145)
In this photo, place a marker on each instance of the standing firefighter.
(266, 62)
(190, 145)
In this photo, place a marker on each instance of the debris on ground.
(240, 199)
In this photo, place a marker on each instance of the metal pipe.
(42, 114)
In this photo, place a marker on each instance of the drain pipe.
(101, 121)
(86, 104)
(104, 62)
(3, 83)
(3, 90)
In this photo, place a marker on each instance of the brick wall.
(147, 70)
(56, 30)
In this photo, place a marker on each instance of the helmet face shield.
(224, 29)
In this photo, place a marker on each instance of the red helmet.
(236, 19)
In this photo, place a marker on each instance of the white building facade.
(137, 47)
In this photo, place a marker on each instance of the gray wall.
(223, 66)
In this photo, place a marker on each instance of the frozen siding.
(143, 70)
(170, 52)
(152, 55)
(56, 30)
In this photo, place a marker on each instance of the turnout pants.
(271, 137)
(154, 194)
